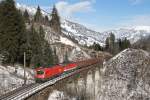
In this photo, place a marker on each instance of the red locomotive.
(43, 74)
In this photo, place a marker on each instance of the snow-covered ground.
(59, 95)
(67, 41)
(13, 77)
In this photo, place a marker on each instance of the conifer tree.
(41, 53)
(125, 43)
(111, 43)
(38, 15)
(107, 44)
(66, 60)
(48, 55)
(26, 16)
(56, 60)
(12, 28)
(55, 21)
(119, 42)
(41, 33)
(46, 20)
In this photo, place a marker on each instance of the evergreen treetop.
(38, 15)
(26, 16)
(55, 21)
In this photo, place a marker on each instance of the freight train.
(44, 74)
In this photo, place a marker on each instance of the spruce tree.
(48, 55)
(36, 52)
(41, 53)
(123, 44)
(38, 15)
(112, 43)
(66, 60)
(119, 44)
(46, 20)
(107, 44)
(12, 28)
(55, 57)
(26, 16)
(55, 21)
(41, 33)
(126, 43)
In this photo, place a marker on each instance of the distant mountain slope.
(133, 34)
(84, 35)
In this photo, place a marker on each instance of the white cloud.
(67, 10)
(139, 20)
(90, 0)
(126, 22)
(135, 2)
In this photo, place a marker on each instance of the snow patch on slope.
(58, 95)
(67, 41)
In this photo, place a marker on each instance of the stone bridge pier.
(82, 86)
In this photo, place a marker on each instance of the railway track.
(26, 91)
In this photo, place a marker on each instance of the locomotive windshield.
(40, 72)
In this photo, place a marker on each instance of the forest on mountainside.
(15, 38)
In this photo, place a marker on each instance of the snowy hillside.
(13, 77)
(82, 34)
(126, 76)
(75, 53)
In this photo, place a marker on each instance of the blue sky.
(99, 15)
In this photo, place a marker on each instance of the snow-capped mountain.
(83, 35)
(86, 36)
(31, 9)
(133, 33)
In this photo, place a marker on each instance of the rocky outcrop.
(126, 76)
